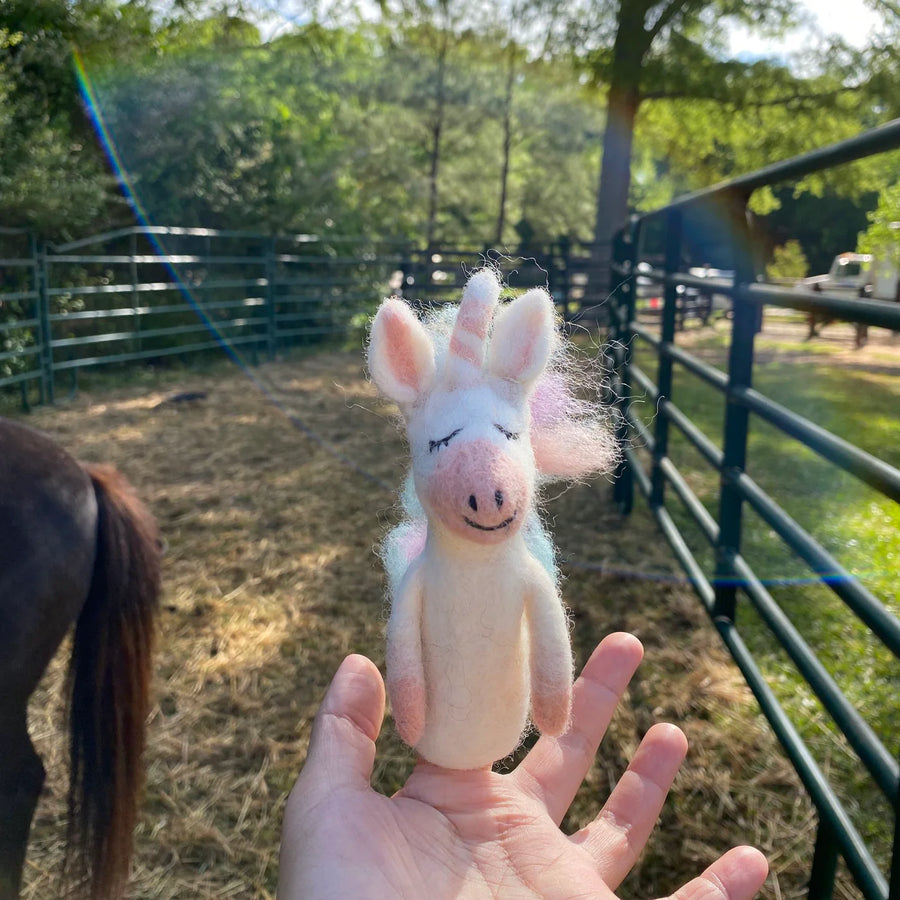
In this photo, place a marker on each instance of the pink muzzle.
(479, 492)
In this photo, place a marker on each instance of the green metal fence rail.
(733, 578)
(142, 294)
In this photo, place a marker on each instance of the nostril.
(473, 503)
(498, 498)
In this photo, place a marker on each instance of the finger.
(342, 745)
(617, 836)
(555, 767)
(737, 875)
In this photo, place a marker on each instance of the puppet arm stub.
(408, 707)
(551, 655)
(551, 710)
(405, 670)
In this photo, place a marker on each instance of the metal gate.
(733, 581)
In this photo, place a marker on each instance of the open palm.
(472, 834)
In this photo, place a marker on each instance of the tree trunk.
(615, 171)
(437, 128)
(631, 46)
(507, 143)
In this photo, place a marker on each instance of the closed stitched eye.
(443, 442)
(509, 435)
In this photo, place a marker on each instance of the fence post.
(132, 251)
(622, 311)
(674, 227)
(23, 385)
(38, 337)
(560, 255)
(42, 273)
(824, 863)
(271, 269)
(894, 889)
(745, 324)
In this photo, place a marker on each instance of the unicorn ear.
(401, 355)
(524, 335)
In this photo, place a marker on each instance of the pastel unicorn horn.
(465, 359)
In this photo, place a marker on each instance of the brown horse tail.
(108, 689)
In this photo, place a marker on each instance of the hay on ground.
(271, 578)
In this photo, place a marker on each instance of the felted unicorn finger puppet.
(477, 633)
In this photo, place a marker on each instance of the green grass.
(856, 524)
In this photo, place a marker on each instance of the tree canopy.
(416, 124)
(882, 237)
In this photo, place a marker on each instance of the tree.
(643, 50)
(674, 52)
(705, 116)
(431, 26)
(788, 261)
(416, 127)
(52, 174)
(255, 138)
(520, 19)
(882, 237)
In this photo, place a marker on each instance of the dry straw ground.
(271, 578)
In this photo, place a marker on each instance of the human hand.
(472, 834)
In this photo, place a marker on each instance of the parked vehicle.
(884, 279)
(849, 273)
(692, 302)
(860, 275)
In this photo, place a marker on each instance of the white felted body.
(475, 614)
(477, 631)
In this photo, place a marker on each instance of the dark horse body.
(76, 547)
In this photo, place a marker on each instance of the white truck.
(849, 273)
(883, 282)
(860, 275)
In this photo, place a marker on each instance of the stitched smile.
(504, 524)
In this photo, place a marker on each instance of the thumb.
(342, 746)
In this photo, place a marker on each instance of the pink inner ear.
(522, 359)
(523, 352)
(401, 347)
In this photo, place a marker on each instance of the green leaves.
(788, 262)
(417, 124)
(882, 237)
(335, 129)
